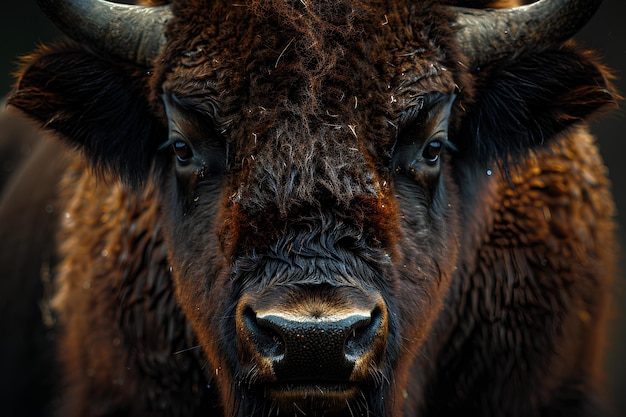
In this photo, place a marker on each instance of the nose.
(319, 342)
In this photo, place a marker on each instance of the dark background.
(22, 26)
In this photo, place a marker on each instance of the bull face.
(326, 219)
(314, 164)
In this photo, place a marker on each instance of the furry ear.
(99, 106)
(526, 102)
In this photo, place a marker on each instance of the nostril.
(263, 334)
(362, 334)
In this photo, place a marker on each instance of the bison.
(310, 208)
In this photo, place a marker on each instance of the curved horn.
(133, 33)
(490, 34)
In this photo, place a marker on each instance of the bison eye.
(432, 151)
(182, 151)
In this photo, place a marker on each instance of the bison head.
(320, 166)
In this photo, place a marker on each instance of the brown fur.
(545, 260)
(115, 272)
(493, 262)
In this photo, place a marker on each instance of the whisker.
(350, 408)
(299, 409)
(187, 349)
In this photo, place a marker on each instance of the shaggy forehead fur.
(309, 96)
(314, 57)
